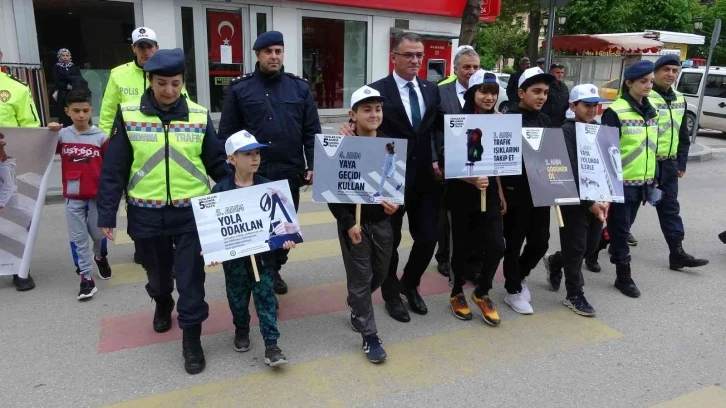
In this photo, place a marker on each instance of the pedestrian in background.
(558, 98)
(66, 77)
(513, 84)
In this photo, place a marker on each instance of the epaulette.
(299, 78)
(120, 67)
(241, 78)
(16, 79)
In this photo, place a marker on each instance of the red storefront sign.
(224, 29)
(447, 8)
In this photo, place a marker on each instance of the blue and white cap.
(586, 93)
(241, 141)
(363, 93)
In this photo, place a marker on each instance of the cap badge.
(367, 91)
(142, 31)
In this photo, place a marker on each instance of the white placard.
(225, 54)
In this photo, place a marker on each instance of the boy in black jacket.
(523, 221)
(583, 223)
(243, 152)
(366, 248)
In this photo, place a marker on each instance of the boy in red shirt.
(82, 148)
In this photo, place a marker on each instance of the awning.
(615, 43)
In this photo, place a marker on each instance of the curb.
(700, 153)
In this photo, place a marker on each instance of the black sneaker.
(444, 268)
(22, 285)
(632, 241)
(88, 289)
(352, 319)
(373, 348)
(241, 340)
(280, 287)
(274, 356)
(104, 269)
(554, 273)
(722, 237)
(579, 305)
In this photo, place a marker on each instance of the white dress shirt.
(403, 89)
(460, 91)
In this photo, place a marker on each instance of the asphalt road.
(669, 344)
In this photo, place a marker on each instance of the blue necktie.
(415, 107)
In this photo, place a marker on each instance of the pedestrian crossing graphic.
(15, 218)
(372, 183)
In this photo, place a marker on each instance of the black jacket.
(279, 111)
(569, 129)
(264, 259)
(516, 188)
(557, 103)
(684, 139)
(419, 172)
(512, 88)
(144, 223)
(62, 77)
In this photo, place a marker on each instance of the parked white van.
(690, 82)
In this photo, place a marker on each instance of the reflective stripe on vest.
(638, 144)
(167, 168)
(670, 118)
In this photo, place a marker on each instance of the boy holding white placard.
(366, 241)
(583, 223)
(243, 152)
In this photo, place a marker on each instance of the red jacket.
(81, 161)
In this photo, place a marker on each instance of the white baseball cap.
(143, 34)
(532, 73)
(365, 92)
(586, 93)
(479, 78)
(242, 141)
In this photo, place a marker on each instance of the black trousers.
(443, 251)
(476, 235)
(159, 257)
(580, 236)
(669, 210)
(524, 223)
(422, 210)
(621, 217)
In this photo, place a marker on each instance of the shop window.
(187, 14)
(224, 42)
(334, 59)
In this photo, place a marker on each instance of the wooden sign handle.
(558, 213)
(357, 215)
(484, 200)
(254, 268)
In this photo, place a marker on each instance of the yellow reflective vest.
(670, 118)
(17, 108)
(167, 167)
(638, 144)
(126, 83)
(451, 78)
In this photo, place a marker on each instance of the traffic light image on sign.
(474, 148)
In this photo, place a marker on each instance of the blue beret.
(166, 63)
(268, 39)
(638, 70)
(671, 59)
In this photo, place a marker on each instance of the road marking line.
(348, 379)
(709, 397)
(127, 273)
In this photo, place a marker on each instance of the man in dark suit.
(411, 112)
(466, 63)
(513, 84)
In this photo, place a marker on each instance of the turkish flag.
(224, 28)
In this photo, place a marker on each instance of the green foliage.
(508, 70)
(709, 14)
(501, 39)
(620, 16)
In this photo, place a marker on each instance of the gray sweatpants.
(366, 266)
(82, 218)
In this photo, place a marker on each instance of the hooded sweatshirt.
(81, 161)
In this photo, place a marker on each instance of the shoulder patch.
(299, 78)
(16, 79)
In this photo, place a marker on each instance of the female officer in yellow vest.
(637, 120)
(162, 149)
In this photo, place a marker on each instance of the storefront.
(335, 44)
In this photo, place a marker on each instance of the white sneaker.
(518, 303)
(525, 292)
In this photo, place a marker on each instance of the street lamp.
(562, 18)
(545, 18)
(698, 24)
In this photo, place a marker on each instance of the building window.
(225, 59)
(334, 78)
(187, 15)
